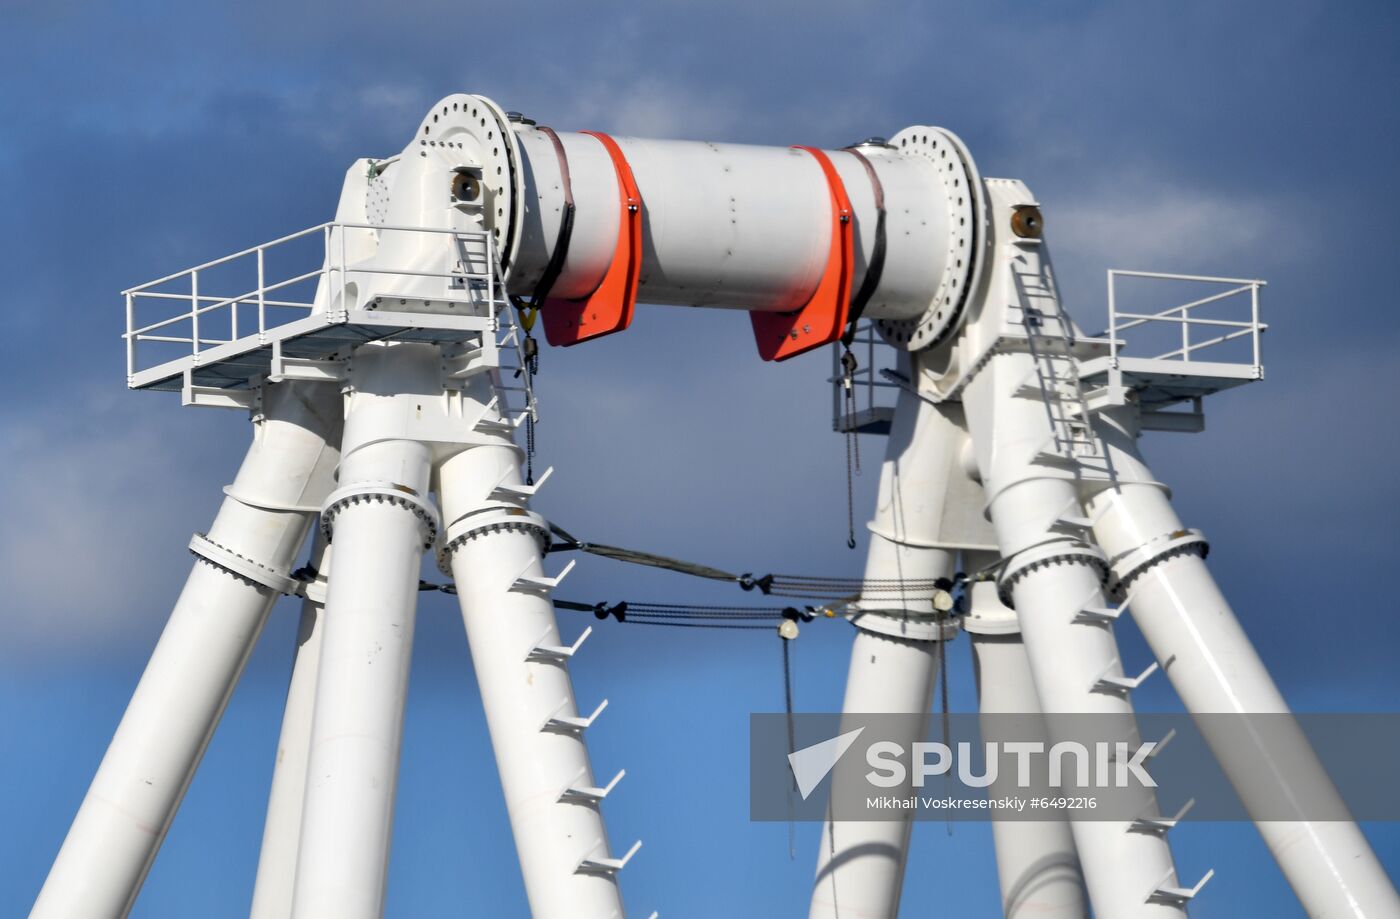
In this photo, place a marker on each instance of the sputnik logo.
(811, 764)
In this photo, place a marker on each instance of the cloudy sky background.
(1250, 140)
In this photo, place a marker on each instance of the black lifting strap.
(545, 285)
(875, 267)
(566, 225)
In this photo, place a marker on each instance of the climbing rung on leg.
(587, 794)
(1178, 896)
(1114, 685)
(606, 866)
(570, 724)
(540, 654)
(1097, 615)
(1160, 824)
(520, 492)
(532, 584)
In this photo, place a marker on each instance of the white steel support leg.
(1215, 669)
(895, 656)
(380, 521)
(277, 862)
(253, 542)
(1051, 577)
(494, 547)
(860, 866)
(1037, 864)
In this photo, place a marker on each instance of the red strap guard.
(823, 318)
(610, 306)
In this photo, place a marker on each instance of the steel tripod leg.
(894, 659)
(1050, 577)
(1037, 864)
(861, 863)
(1215, 669)
(258, 532)
(277, 862)
(380, 520)
(494, 547)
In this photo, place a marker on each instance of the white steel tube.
(277, 861)
(731, 225)
(194, 310)
(548, 782)
(1122, 869)
(1037, 864)
(894, 659)
(262, 293)
(197, 662)
(1215, 669)
(861, 863)
(357, 727)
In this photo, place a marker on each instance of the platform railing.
(211, 316)
(1182, 315)
(864, 408)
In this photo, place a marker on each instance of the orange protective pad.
(823, 318)
(609, 308)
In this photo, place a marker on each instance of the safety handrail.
(201, 306)
(1120, 321)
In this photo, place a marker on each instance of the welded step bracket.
(606, 866)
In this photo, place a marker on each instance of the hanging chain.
(529, 366)
(848, 396)
(532, 367)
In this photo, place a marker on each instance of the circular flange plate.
(476, 125)
(965, 205)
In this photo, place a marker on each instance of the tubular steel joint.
(240, 566)
(381, 492)
(1128, 567)
(1062, 552)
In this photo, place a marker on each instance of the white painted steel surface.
(732, 225)
(723, 226)
(1214, 668)
(1037, 863)
(860, 864)
(362, 682)
(536, 731)
(201, 653)
(277, 860)
(1050, 575)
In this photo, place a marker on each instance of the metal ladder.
(1057, 383)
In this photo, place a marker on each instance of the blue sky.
(1251, 139)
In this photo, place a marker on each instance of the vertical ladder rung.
(570, 724)
(588, 795)
(606, 866)
(1177, 896)
(1118, 685)
(555, 654)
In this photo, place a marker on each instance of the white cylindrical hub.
(720, 225)
(521, 664)
(731, 225)
(379, 522)
(1215, 669)
(201, 653)
(748, 227)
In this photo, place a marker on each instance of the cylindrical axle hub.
(718, 225)
(742, 227)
